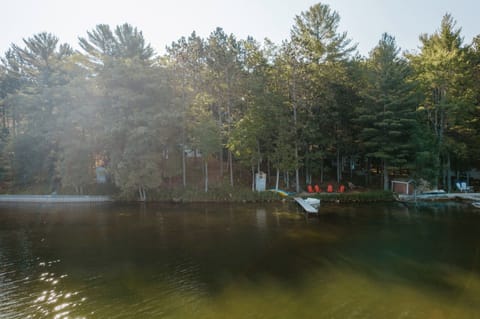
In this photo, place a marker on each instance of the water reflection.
(261, 215)
(199, 261)
(42, 294)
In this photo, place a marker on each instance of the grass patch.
(214, 194)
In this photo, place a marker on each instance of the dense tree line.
(308, 110)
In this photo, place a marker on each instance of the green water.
(239, 261)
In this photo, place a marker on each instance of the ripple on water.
(247, 265)
(42, 294)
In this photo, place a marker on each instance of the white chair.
(463, 187)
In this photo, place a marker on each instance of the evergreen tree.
(388, 116)
(442, 72)
(224, 76)
(139, 124)
(186, 60)
(321, 53)
(43, 66)
(252, 137)
(204, 131)
(315, 33)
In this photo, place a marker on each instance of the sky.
(163, 22)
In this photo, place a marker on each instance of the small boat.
(476, 204)
(281, 192)
(434, 192)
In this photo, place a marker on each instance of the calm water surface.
(243, 261)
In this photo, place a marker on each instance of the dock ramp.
(306, 206)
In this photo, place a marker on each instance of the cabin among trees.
(309, 110)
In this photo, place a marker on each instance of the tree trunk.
(294, 105)
(220, 157)
(259, 158)
(338, 166)
(367, 172)
(297, 175)
(297, 180)
(229, 121)
(444, 172)
(206, 175)
(4, 116)
(308, 176)
(385, 175)
(449, 174)
(253, 178)
(437, 176)
(142, 193)
(322, 171)
(268, 168)
(352, 165)
(14, 121)
(230, 164)
(277, 180)
(184, 138)
(184, 166)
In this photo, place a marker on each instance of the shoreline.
(230, 197)
(474, 197)
(338, 198)
(55, 199)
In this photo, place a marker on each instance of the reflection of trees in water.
(261, 216)
(126, 255)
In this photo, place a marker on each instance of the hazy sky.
(165, 21)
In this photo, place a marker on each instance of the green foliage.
(315, 31)
(125, 42)
(306, 104)
(75, 166)
(444, 74)
(204, 131)
(32, 159)
(219, 193)
(244, 141)
(387, 116)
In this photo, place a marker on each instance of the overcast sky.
(163, 22)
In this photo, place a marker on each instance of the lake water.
(239, 261)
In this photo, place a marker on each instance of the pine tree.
(442, 72)
(387, 116)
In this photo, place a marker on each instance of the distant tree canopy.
(309, 110)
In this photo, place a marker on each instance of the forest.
(218, 110)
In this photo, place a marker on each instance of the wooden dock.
(475, 197)
(306, 206)
(467, 196)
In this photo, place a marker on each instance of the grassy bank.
(214, 194)
(246, 195)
